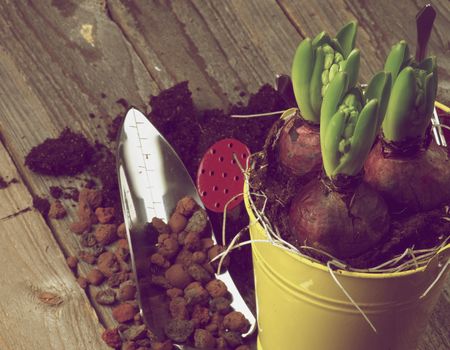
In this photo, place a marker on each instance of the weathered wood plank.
(14, 198)
(436, 336)
(31, 263)
(56, 62)
(223, 47)
(168, 54)
(255, 37)
(381, 25)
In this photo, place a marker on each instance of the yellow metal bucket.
(300, 306)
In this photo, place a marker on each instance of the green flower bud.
(325, 80)
(328, 60)
(327, 49)
(338, 57)
(342, 146)
(333, 70)
(312, 68)
(413, 93)
(349, 129)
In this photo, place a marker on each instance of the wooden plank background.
(42, 306)
(57, 58)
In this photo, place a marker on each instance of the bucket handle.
(441, 260)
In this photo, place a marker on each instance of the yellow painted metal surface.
(300, 306)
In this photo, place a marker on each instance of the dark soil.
(114, 128)
(67, 155)
(104, 169)
(5, 183)
(65, 192)
(42, 205)
(56, 192)
(423, 230)
(174, 115)
(191, 132)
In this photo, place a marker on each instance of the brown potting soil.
(42, 205)
(191, 132)
(69, 154)
(421, 231)
(5, 183)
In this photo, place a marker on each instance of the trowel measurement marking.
(145, 156)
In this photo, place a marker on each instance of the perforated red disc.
(219, 177)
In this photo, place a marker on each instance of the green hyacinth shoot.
(414, 87)
(349, 123)
(315, 65)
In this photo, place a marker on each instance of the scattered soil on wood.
(4, 183)
(69, 154)
(42, 205)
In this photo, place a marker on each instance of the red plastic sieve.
(219, 177)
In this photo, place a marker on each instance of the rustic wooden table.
(58, 56)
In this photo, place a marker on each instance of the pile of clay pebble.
(199, 304)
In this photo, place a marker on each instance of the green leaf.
(380, 88)
(321, 39)
(330, 148)
(302, 67)
(397, 59)
(428, 64)
(316, 83)
(351, 66)
(331, 101)
(361, 141)
(347, 37)
(430, 89)
(397, 120)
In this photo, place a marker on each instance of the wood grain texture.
(15, 198)
(436, 336)
(255, 37)
(223, 47)
(41, 304)
(32, 264)
(54, 68)
(167, 52)
(381, 25)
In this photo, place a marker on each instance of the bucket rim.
(320, 266)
